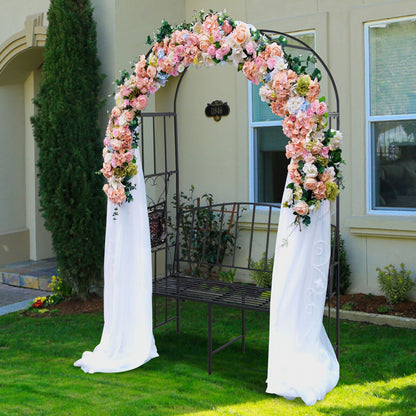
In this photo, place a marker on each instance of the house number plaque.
(217, 109)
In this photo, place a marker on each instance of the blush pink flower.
(204, 42)
(241, 34)
(325, 152)
(294, 173)
(117, 196)
(310, 184)
(251, 49)
(314, 90)
(210, 24)
(320, 190)
(301, 207)
(140, 102)
(326, 177)
(226, 27)
(107, 170)
(319, 108)
(211, 50)
(116, 112)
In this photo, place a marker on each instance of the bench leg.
(243, 329)
(178, 313)
(209, 338)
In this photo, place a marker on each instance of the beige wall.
(214, 156)
(22, 36)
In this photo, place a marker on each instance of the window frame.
(370, 120)
(253, 125)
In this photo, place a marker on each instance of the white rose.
(288, 196)
(281, 64)
(122, 120)
(264, 93)
(318, 135)
(310, 170)
(330, 171)
(119, 99)
(335, 141)
(107, 157)
(130, 82)
(115, 183)
(294, 103)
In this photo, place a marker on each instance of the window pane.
(392, 68)
(261, 111)
(271, 163)
(394, 164)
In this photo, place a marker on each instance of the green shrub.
(262, 276)
(205, 236)
(344, 267)
(395, 284)
(69, 141)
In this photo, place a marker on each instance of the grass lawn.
(378, 370)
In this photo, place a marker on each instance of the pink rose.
(241, 33)
(141, 102)
(271, 62)
(251, 48)
(317, 148)
(128, 115)
(116, 112)
(211, 50)
(321, 109)
(116, 144)
(310, 184)
(320, 191)
(226, 27)
(204, 42)
(326, 177)
(128, 156)
(151, 71)
(301, 207)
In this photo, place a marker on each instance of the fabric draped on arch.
(127, 340)
(302, 361)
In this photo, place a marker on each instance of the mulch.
(355, 302)
(371, 304)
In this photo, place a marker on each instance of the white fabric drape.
(127, 340)
(302, 362)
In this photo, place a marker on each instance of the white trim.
(370, 185)
(251, 150)
(395, 117)
(265, 123)
(411, 212)
(368, 147)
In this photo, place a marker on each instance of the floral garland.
(290, 92)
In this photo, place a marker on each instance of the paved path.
(20, 283)
(14, 299)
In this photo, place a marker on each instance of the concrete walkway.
(21, 282)
(14, 298)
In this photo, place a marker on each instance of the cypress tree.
(66, 131)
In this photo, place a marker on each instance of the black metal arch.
(175, 284)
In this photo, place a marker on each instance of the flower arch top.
(291, 93)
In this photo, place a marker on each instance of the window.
(268, 165)
(391, 114)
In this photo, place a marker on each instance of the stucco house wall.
(214, 156)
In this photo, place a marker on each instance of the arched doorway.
(22, 234)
